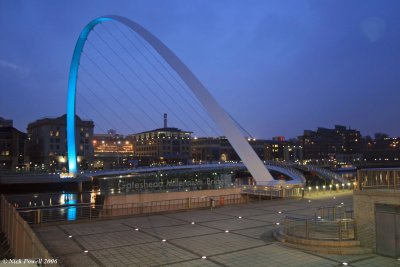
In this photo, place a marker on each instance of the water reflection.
(69, 199)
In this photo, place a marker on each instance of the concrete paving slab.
(233, 224)
(217, 243)
(256, 232)
(194, 263)
(88, 228)
(115, 239)
(271, 256)
(150, 254)
(198, 216)
(179, 231)
(151, 221)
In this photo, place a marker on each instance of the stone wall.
(148, 197)
(364, 212)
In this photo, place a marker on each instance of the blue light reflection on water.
(70, 199)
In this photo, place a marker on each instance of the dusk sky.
(278, 67)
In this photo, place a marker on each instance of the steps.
(347, 247)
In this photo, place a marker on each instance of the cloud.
(8, 65)
(14, 67)
(373, 28)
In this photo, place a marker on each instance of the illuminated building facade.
(324, 144)
(12, 144)
(211, 149)
(164, 145)
(47, 145)
(112, 150)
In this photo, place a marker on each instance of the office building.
(12, 146)
(47, 143)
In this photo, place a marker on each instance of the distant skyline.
(278, 67)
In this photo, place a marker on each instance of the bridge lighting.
(309, 188)
(316, 187)
(324, 187)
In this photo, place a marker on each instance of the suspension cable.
(152, 78)
(161, 74)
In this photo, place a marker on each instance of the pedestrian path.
(225, 236)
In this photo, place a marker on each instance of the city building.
(278, 149)
(112, 150)
(383, 150)
(323, 145)
(212, 149)
(47, 145)
(12, 145)
(163, 145)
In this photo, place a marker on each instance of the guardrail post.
(33, 246)
(308, 229)
(22, 242)
(37, 216)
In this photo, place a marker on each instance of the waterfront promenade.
(237, 235)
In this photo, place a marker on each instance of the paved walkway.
(225, 236)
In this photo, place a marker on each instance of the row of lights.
(331, 185)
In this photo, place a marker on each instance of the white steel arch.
(217, 113)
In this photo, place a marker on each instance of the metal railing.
(333, 213)
(272, 192)
(324, 173)
(320, 229)
(22, 240)
(385, 178)
(89, 211)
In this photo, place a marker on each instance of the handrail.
(22, 240)
(87, 211)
